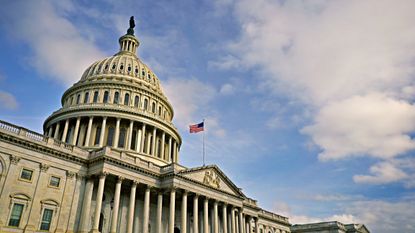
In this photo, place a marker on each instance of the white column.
(65, 130)
(206, 216)
(233, 219)
(86, 206)
(170, 146)
(172, 210)
(56, 134)
(224, 218)
(184, 212)
(101, 137)
(196, 213)
(215, 217)
(146, 209)
(148, 143)
(131, 208)
(174, 152)
(88, 131)
(114, 219)
(130, 135)
(138, 141)
(143, 137)
(159, 227)
(250, 227)
(153, 146)
(98, 206)
(75, 133)
(241, 222)
(50, 131)
(256, 225)
(163, 138)
(117, 133)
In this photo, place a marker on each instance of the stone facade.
(329, 227)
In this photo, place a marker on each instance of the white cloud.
(8, 101)
(59, 50)
(372, 124)
(384, 172)
(227, 89)
(225, 63)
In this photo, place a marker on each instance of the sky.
(308, 105)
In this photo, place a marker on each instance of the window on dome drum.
(121, 67)
(95, 97)
(113, 66)
(133, 139)
(106, 67)
(129, 68)
(121, 140)
(136, 71)
(110, 136)
(136, 101)
(159, 111)
(105, 100)
(143, 73)
(116, 97)
(97, 135)
(26, 174)
(126, 99)
(86, 98)
(78, 98)
(46, 219)
(145, 104)
(16, 215)
(153, 107)
(149, 76)
(54, 181)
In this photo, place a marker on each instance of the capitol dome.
(118, 102)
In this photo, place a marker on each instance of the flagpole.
(203, 142)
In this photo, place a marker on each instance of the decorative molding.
(44, 167)
(70, 174)
(14, 159)
(212, 179)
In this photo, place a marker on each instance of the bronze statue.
(130, 30)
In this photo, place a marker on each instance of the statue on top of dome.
(130, 30)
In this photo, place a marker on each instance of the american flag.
(196, 128)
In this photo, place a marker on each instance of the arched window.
(105, 100)
(95, 97)
(78, 98)
(86, 98)
(145, 104)
(97, 135)
(136, 101)
(116, 97)
(110, 137)
(159, 110)
(133, 139)
(126, 99)
(153, 107)
(121, 140)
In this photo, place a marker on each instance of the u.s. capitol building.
(109, 162)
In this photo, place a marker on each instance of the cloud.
(227, 89)
(8, 101)
(383, 173)
(225, 63)
(58, 49)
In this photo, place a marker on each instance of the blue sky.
(308, 104)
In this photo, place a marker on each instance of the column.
(172, 210)
(143, 137)
(138, 141)
(256, 225)
(184, 212)
(196, 213)
(224, 218)
(50, 131)
(159, 212)
(215, 217)
(206, 215)
(56, 134)
(88, 131)
(101, 137)
(117, 193)
(75, 133)
(233, 223)
(250, 224)
(241, 222)
(98, 202)
(170, 146)
(117, 133)
(130, 135)
(65, 130)
(244, 223)
(146, 210)
(131, 208)
(153, 146)
(86, 205)
(163, 137)
(148, 146)
(174, 152)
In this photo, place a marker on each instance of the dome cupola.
(118, 102)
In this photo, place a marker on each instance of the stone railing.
(42, 139)
(270, 215)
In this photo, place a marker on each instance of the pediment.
(213, 177)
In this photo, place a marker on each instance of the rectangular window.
(54, 181)
(46, 220)
(16, 215)
(26, 174)
(95, 96)
(97, 135)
